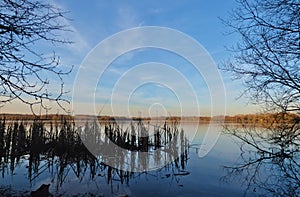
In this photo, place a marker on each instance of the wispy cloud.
(79, 44)
(127, 17)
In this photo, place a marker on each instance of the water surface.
(81, 173)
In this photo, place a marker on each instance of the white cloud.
(127, 17)
(79, 44)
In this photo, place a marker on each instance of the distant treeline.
(262, 118)
(268, 118)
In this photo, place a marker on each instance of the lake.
(61, 162)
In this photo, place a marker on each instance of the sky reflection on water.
(189, 175)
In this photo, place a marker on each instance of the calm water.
(189, 175)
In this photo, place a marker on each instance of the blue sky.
(95, 20)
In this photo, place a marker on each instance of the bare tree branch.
(26, 72)
(267, 58)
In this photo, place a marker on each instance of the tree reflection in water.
(55, 147)
(269, 163)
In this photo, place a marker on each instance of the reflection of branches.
(269, 157)
(57, 148)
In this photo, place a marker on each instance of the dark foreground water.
(63, 169)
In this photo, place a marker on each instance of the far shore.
(240, 118)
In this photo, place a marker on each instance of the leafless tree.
(26, 71)
(267, 61)
(267, 57)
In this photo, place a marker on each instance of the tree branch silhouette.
(267, 57)
(267, 61)
(25, 71)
